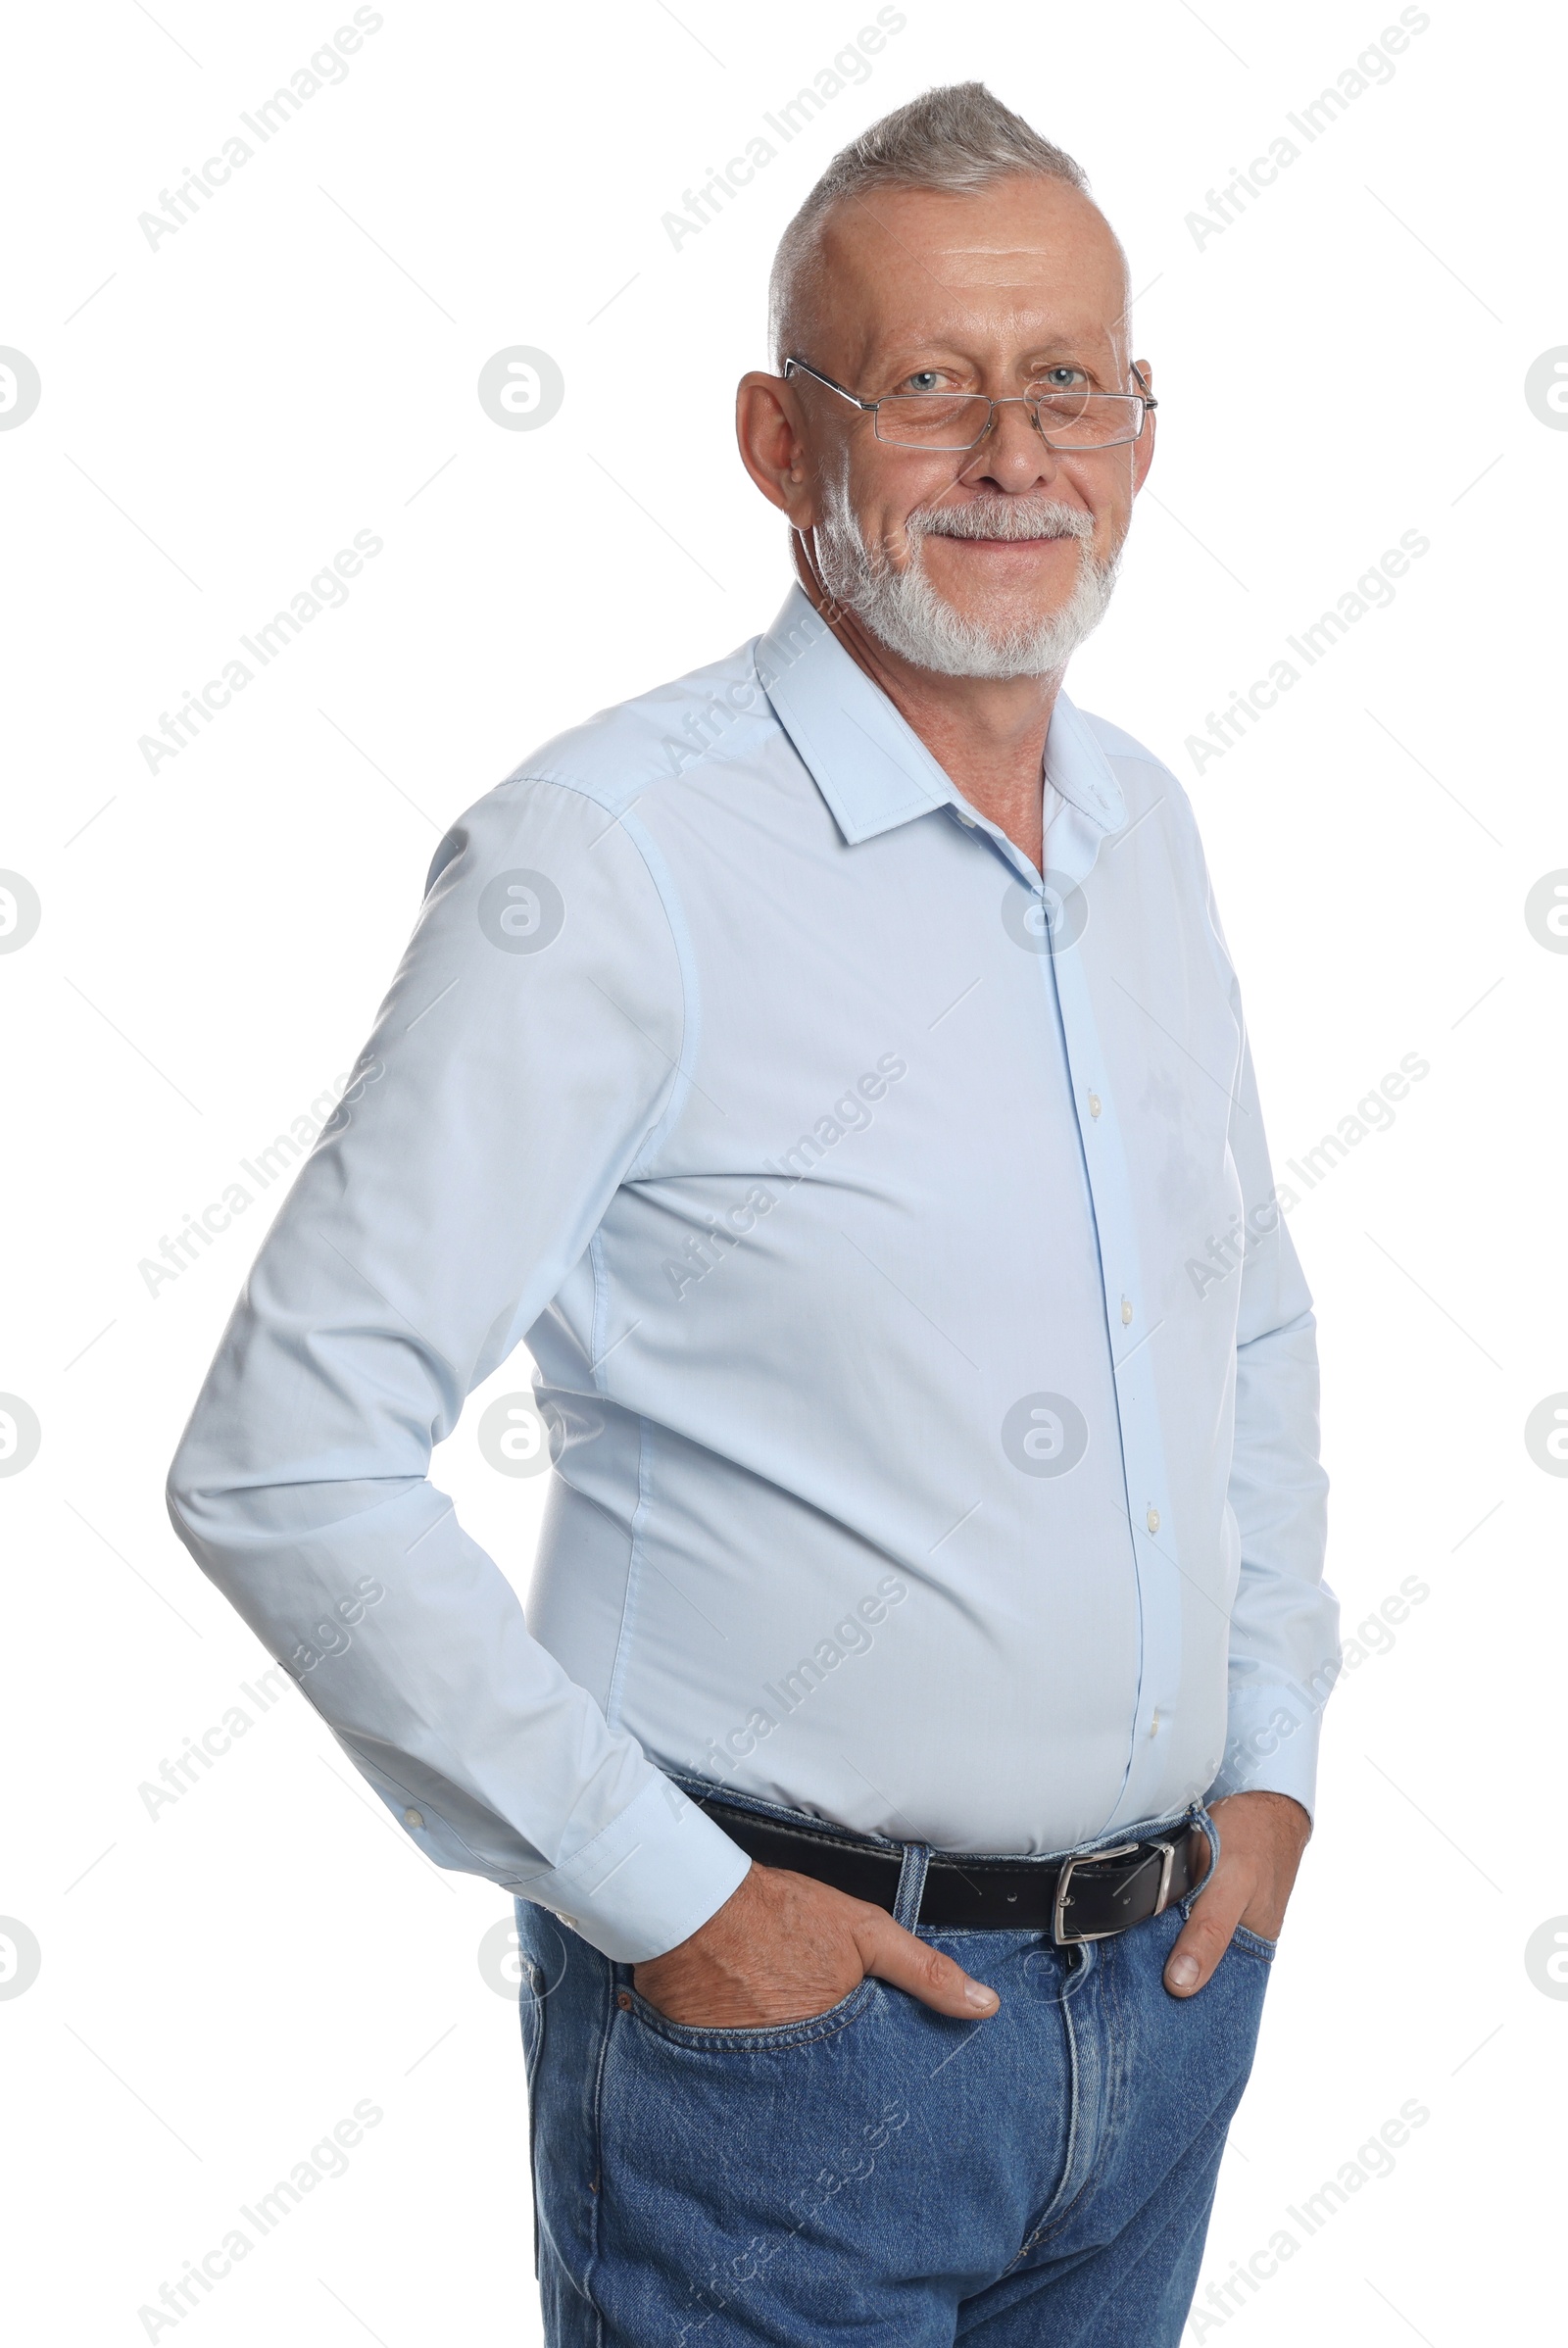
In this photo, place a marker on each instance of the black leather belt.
(1087, 1896)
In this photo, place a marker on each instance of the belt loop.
(1198, 1821)
(911, 1884)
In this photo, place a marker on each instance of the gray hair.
(955, 140)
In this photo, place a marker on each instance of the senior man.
(830, 1064)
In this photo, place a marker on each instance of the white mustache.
(1000, 517)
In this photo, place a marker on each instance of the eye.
(1063, 378)
(925, 378)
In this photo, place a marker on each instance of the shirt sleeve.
(528, 1046)
(1283, 1639)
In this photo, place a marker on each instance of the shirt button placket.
(1114, 1210)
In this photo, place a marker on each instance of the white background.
(1344, 362)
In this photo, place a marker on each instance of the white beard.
(904, 610)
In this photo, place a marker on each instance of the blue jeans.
(880, 2173)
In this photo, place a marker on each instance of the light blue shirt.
(930, 1377)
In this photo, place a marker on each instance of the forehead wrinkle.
(1040, 313)
(995, 265)
(984, 261)
(1039, 287)
(1028, 324)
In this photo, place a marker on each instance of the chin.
(1007, 620)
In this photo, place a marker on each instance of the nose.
(1012, 456)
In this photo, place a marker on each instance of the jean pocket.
(1253, 1944)
(774, 2039)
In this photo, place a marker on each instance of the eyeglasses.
(1066, 417)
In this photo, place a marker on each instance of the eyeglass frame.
(1145, 397)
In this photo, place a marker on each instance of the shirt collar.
(869, 764)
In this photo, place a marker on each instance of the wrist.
(1281, 1809)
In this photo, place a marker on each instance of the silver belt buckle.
(1061, 1935)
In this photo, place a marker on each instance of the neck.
(987, 734)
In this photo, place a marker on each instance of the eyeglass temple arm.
(828, 383)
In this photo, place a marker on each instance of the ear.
(770, 430)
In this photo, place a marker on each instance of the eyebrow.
(1049, 351)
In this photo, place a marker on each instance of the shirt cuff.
(647, 1883)
(1271, 1742)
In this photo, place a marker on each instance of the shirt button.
(1126, 1312)
(968, 821)
(1153, 1520)
(1154, 1724)
(413, 1818)
(1093, 1105)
